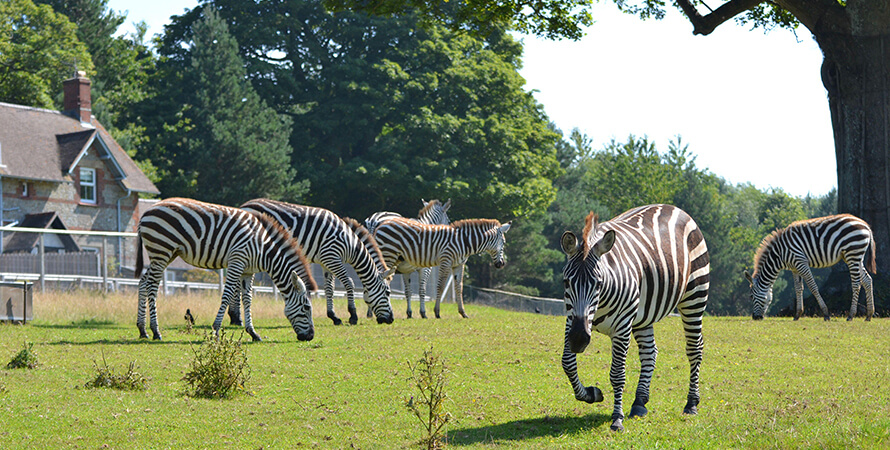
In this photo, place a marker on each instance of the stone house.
(65, 166)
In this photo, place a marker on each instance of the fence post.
(222, 280)
(104, 267)
(42, 264)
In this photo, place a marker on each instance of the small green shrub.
(106, 378)
(429, 375)
(24, 359)
(220, 368)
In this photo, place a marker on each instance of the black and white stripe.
(817, 243)
(433, 212)
(622, 277)
(409, 245)
(329, 241)
(215, 237)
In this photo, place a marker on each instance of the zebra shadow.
(519, 430)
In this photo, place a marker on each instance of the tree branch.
(705, 25)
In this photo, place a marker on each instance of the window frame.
(94, 184)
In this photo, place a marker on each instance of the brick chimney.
(77, 101)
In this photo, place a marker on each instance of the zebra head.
(298, 309)
(761, 295)
(377, 296)
(496, 247)
(434, 212)
(582, 278)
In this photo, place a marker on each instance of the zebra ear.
(569, 243)
(446, 205)
(389, 272)
(505, 227)
(749, 278)
(605, 244)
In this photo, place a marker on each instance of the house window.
(88, 185)
(24, 189)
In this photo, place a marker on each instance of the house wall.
(64, 199)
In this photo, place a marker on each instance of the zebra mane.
(765, 245)
(271, 225)
(367, 239)
(486, 223)
(589, 229)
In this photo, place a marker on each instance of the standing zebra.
(215, 237)
(622, 277)
(433, 212)
(332, 243)
(818, 243)
(408, 245)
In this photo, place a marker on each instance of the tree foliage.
(219, 142)
(38, 50)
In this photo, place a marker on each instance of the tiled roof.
(24, 242)
(40, 144)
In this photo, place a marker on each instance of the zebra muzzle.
(579, 335)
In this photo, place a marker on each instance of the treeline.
(357, 113)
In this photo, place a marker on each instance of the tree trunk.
(856, 74)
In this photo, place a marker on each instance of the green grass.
(770, 384)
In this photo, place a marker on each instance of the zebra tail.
(872, 267)
(138, 272)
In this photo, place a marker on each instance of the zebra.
(408, 245)
(818, 243)
(433, 212)
(330, 242)
(622, 277)
(214, 237)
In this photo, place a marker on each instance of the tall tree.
(38, 50)
(222, 144)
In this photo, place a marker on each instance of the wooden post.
(42, 264)
(104, 268)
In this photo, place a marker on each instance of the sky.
(750, 105)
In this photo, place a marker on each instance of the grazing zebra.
(622, 277)
(433, 212)
(817, 243)
(409, 245)
(332, 243)
(215, 237)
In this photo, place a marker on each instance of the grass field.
(770, 384)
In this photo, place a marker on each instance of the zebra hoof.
(336, 320)
(849, 318)
(156, 337)
(409, 314)
(617, 425)
(423, 315)
(691, 410)
(353, 320)
(638, 411)
(592, 394)
(143, 336)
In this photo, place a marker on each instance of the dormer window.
(88, 185)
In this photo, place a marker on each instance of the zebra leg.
(338, 271)
(148, 291)
(589, 394)
(691, 311)
(424, 277)
(856, 282)
(869, 295)
(458, 292)
(235, 309)
(444, 273)
(804, 270)
(798, 292)
(247, 295)
(233, 281)
(329, 296)
(406, 281)
(617, 375)
(645, 338)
